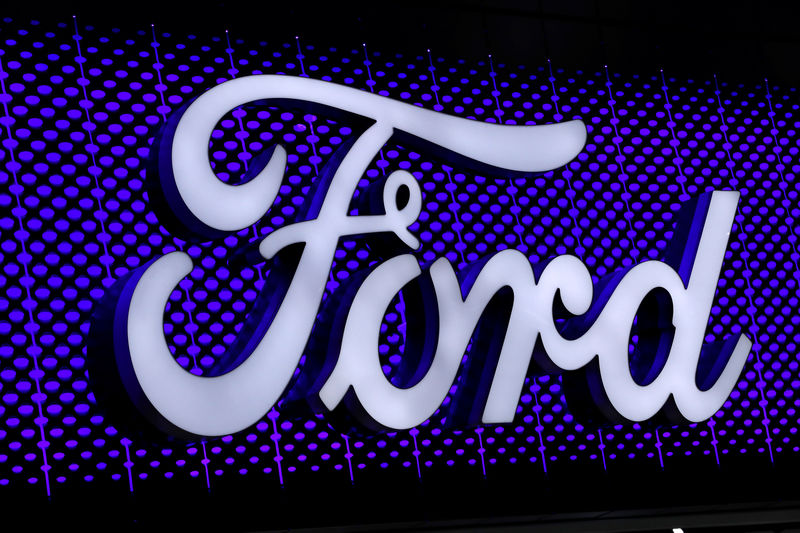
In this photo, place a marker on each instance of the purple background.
(81, 105)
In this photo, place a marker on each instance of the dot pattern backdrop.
(80, 108)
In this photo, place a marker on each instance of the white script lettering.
(594, 336)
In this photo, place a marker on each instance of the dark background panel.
(742, 39)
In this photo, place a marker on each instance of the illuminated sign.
(550, 312)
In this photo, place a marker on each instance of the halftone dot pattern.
(80, 107)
